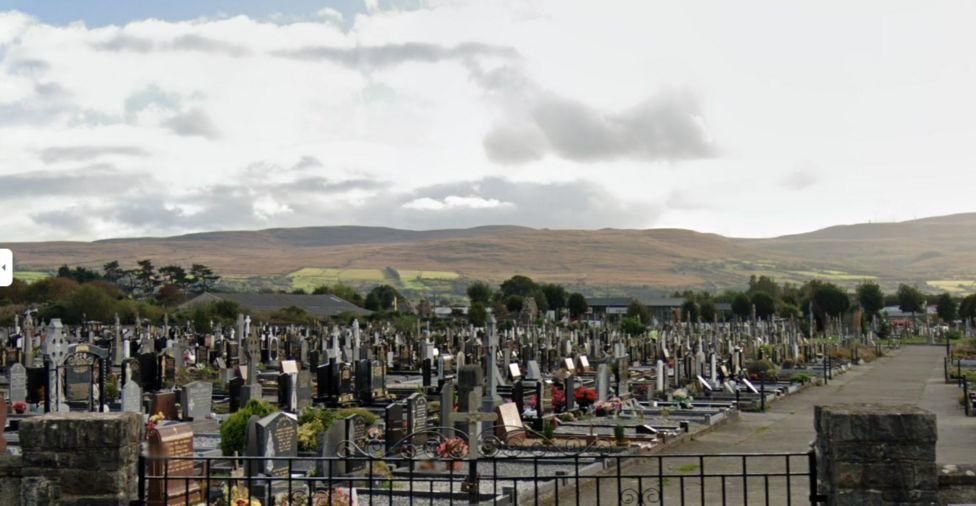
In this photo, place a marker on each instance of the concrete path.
(912, 375)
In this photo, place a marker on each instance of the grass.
(31, 276)
(433, 275)
(310, 278)
(953, 285)
(687, 468)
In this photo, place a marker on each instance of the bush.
(619, 434)
(801, 378)
(757, 368)
(308, 435)
(367, 415)
(233, 431)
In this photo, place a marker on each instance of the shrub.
(618, 433)
(756, 368)
(368, 416)
(233, 430)
(801, 378)
(308, 435)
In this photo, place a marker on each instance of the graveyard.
(523, 406)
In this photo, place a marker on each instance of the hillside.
(939, 251)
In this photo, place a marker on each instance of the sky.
(748, 119)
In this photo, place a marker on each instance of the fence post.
(876, 454)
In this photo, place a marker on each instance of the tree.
(88, 303)
(946, 308)
(479, 291)
(477, 314)
(763, 284)
(113, 272)
(830, 300)
(741, 305)
(870, 298)
(382, 298)
(79, 274)
(967, 308)
(16, 293)
(146, 274)
(204, 278)
(175, 275)
(50, 289)
(632, 326)
(171, 295)
(689, 311)
(514, 303)
(555, 296)
(639, 312)
(708, 311)
(910, 299)
(764, 303)
(518, 285)
(576, 304)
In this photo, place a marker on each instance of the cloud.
(192, 123)
(493, 201)
(668, 126)
(83, 153)
(67, 220)
(374, 57)
(683, 201)
(800, 179)
(101, 179)
(123, 42)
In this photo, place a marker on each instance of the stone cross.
(473, 419)
(56, 349)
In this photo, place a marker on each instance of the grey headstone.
(18, 383)
(196, 399)
(132, 397)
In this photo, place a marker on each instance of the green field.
(31, 276)
(957, 286)
(310, 278)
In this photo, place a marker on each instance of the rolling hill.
(940, 251)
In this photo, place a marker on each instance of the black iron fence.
(540, 478)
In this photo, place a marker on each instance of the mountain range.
(939, 252)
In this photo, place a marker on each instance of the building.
(661, 307)
(319, 306)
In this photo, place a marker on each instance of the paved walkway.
(913, 375)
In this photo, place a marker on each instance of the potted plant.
(19, 407)
(618, 435)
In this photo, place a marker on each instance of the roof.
(625, 301)
(320, 306)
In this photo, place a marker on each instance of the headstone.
(174, 440)
(132, 397)
(196, 400)
(396, 425)
(78, 377)
(165, 403)
(447, 408)
(417, 418)
(331, 446)
(18, 383)
(534, 372)
(602, 383)
(509, 428)
(356, 438)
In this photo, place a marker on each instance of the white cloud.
(455, 202)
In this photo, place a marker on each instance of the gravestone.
(78, 377)
(132, 397)
(585, 364)
(149, 372)
(304, 389)
(509, 428)
(514, 372)
(18, 383)
(275, 435)
(165, 403)
(570, 393)
(417, 418)
(234, 393)
(602, 383)
(356, 438)
(396, 425)
(174, 440)
(447, 407)
(534, 372)
(196, 400)
(331, 445)
(3, 423)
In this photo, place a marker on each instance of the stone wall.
(10, 480)
(75, 458)
(876, 454)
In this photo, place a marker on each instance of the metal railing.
(576, 479)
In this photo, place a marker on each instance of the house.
(319, 306)
(615, 307)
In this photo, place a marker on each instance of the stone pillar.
(874, 454)
(85, 458)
